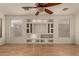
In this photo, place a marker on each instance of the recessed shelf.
(50, 40)
(29, 40)
(46, 36)
(37, 40)
(42, 40)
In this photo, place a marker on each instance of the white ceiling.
(16, 9)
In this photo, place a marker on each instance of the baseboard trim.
(40, 43)
(76, 43)
(1, 43)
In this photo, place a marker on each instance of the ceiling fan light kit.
(41, 9)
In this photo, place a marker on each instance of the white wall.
(2, 40)
(77, 29)
(56, 38)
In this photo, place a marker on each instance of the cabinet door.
(28, 28)
(50, 28)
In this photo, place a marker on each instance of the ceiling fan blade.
(48, 11)
(25, 8)
(37, 13)
(29, 7)
(52, 4)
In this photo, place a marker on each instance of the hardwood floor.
(39, 50)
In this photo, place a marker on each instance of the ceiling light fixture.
(41, 9)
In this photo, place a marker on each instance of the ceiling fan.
(42, 7)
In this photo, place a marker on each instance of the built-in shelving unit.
(39, 31)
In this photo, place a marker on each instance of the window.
(16, 28)
(64, 30)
